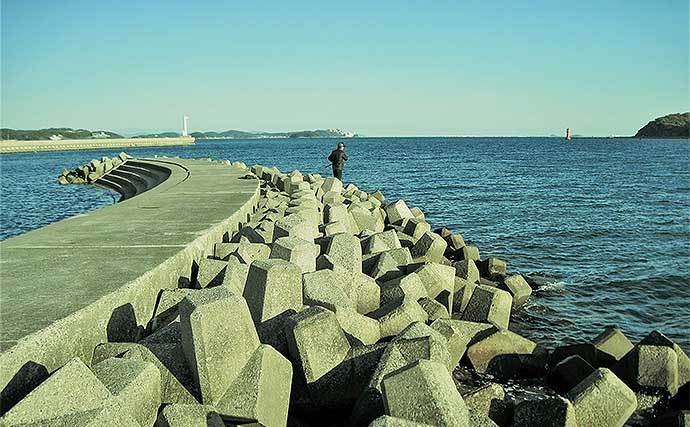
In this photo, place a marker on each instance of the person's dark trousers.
(338, 173)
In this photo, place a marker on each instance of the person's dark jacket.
(338, 158)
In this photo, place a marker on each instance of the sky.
(379, 68)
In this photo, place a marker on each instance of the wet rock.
(568, 373)
(602, 399)
(492, 267)
(550, 411)
(489, 305)
(424, 392)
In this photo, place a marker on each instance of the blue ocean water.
(608, 220)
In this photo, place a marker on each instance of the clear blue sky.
(377, 67)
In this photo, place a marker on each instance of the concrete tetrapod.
(489, 305)
(135, 385)
(216, 349)
(316, 342)
(261, 392)
(602, 400)
(181, 415)
(505, 354)
(172, 391)
(300, 252)
(424, 392)
(71, 390)
(273, 287)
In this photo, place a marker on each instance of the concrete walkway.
(13, 146)
(94, 277)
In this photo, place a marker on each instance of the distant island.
(58, 134)
(670, 126)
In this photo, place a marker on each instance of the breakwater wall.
(329, 305)
(13, 146)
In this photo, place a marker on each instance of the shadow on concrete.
(122, 326)
(29, 376)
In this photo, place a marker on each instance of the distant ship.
(567, 134)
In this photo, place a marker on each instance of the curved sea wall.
(315, 303)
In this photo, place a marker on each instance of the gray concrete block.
(489, 305)
(439, 281)
(460, 334)
(518, 288)
(297, 225)
(429, 248)
(273, 286)
(398, 211)
(434, 309)
(388, 421)
(612, 345)
(395, 318)
(463, 292)
(332, 184)
(467, 269)
(651, 367)
(424, 392)
(69, 390)
(223, 250)
(211, 272)
(359, 329)
(345, 250)
(300, 252)
(181, 415)
(602, 399)
(135, 385)
(247, 253)
(380, 242)
(468, 252)
(490, 401)
(316, 342)
(236, 276)
(492, 267)
(172, 390)
(328, 289)
(500, 353)
(216, 349)
(415, 228)
(395, 290)
(261, 392)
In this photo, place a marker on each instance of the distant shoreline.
(16, 146)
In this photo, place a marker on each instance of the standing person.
(338, 158)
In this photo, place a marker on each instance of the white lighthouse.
(185, 120)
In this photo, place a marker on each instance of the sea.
(604, 222)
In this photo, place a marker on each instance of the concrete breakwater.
(329, 306)
(13, 146)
